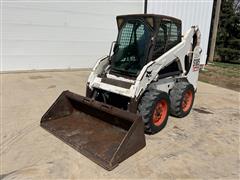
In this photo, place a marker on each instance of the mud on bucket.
(103, 133)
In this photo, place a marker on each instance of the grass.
(226, 75)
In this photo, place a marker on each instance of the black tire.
(178, 99)
(148, 108)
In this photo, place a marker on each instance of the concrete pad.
(205, 144)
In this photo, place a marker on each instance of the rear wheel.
(182, 98)
(154, 108)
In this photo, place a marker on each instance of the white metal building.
(194, 12)
(45, 34)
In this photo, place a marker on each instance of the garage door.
(60, 35)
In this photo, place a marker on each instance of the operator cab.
(142, 38)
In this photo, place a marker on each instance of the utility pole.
(145, 6)
(214, 30)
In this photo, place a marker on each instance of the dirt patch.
(39, 77)
(222, 74)
(201, 110)
(52, 86)
(5, 175)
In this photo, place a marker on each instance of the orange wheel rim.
(187, 100)
(160, 112)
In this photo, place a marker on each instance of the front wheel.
(154, 108)
(182, 98)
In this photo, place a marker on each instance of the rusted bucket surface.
(105, 134)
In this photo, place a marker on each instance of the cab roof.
(152, 20)
(154, 16)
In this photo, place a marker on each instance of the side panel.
(163, 84)
(150, 71)
(193, 73)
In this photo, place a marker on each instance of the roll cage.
(164, 33)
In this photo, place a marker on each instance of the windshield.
(130, 52)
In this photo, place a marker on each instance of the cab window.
(174, 36)
(168, 35)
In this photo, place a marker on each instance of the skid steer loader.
(150, 72)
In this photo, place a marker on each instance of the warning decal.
(196, 64)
